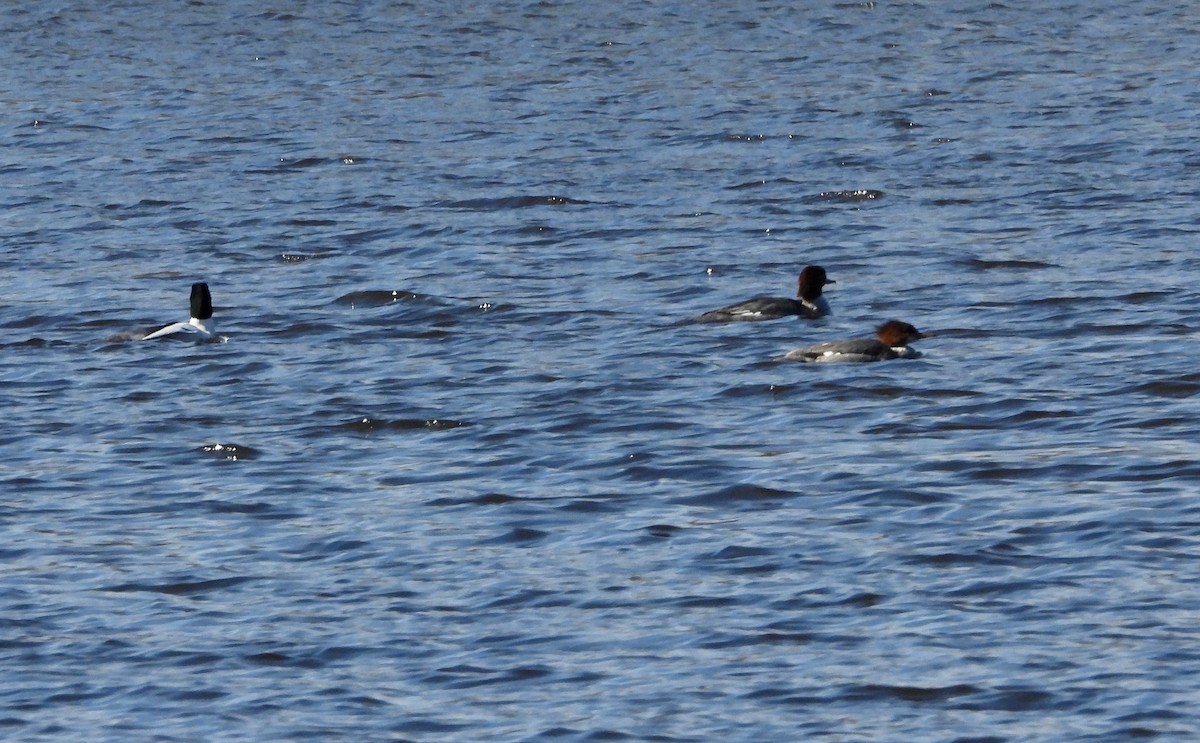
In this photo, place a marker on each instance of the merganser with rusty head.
(809, 302)
(199, 325)
(891, 342)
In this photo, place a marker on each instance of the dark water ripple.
(460, 472)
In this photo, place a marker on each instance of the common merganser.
(199, 323)
(893, 339)
(809, 304)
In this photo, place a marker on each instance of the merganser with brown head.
(891, 342)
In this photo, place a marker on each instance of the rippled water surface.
(460, 470)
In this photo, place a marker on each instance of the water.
(518, 499)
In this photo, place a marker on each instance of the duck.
(809, 302)
(200, 322)
(891, 341)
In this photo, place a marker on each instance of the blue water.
(460, 472)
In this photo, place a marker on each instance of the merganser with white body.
(809, 304)
(893, 339)
(200, 323)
